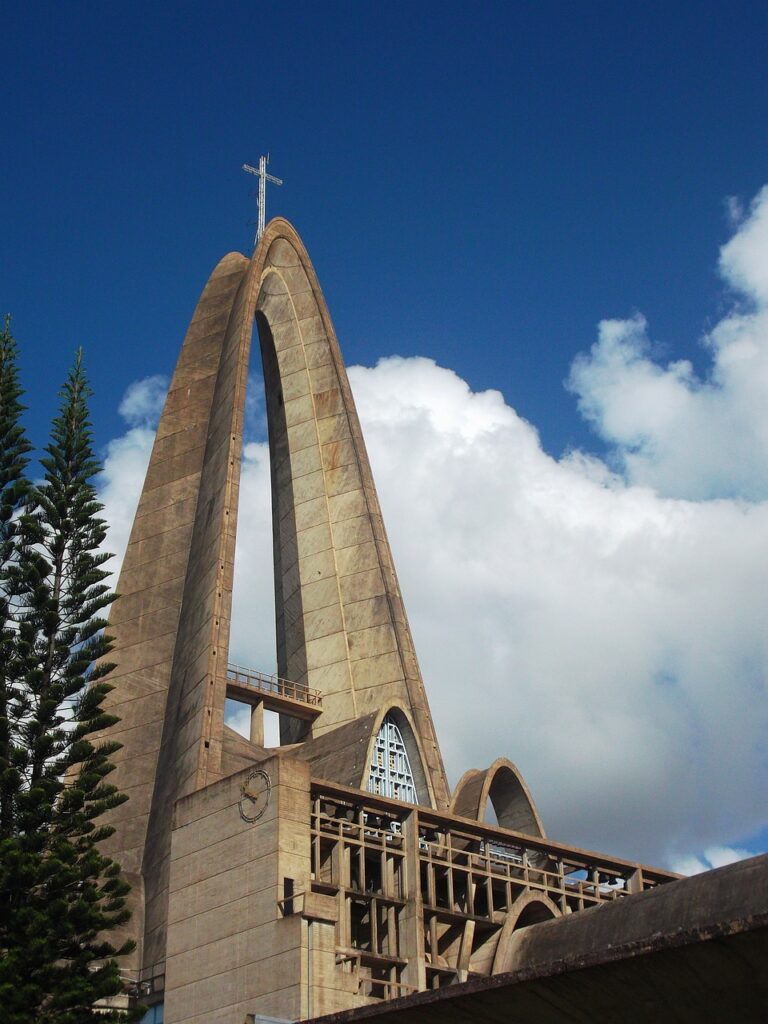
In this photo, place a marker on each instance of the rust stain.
(331, 455)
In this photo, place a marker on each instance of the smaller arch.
(529, 909)
(503, 784)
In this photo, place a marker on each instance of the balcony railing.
(274, 686)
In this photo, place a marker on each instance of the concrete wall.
(230, 951)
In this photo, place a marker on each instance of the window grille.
(390, 772)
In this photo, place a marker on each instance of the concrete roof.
(693, 951)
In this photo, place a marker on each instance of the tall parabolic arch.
(341, 623)
(242, 858)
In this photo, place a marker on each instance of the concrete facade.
(329, 897)
(688, 953)
(335, 898)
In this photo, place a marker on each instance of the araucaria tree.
(60, 896)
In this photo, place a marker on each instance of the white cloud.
(683, 435)
(604, 628)
(608, 640)
(143, 401)
(125, 465)
(253, 595)
(743, 261)
(713, 857)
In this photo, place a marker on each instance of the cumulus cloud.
(607, 639)
(684, 435)
(601, 622)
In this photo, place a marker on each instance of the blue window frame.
(390, 770)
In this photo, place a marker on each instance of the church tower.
(335, 869)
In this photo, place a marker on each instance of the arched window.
(390, 771)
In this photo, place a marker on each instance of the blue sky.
(481, 185)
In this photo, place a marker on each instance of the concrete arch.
(503, 784)
(341, 624)
(528, 909)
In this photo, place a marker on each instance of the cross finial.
(261, 200)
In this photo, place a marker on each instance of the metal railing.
(274, 685)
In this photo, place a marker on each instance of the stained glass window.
(390, 772)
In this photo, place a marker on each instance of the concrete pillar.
(635, 881)
(412, 920)
(257, 724)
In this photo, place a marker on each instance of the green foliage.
(59, 895)
(14, 449)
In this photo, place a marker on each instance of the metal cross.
(261, 202)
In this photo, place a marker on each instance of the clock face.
(254, 795)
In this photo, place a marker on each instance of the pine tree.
(59, 895)
(14, 451)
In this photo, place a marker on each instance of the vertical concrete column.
(412, 919)
(635, 881)
(257, 724)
